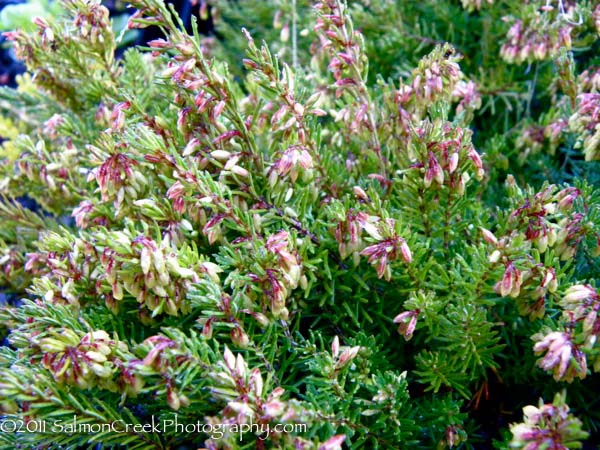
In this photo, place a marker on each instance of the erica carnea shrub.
(378, 228)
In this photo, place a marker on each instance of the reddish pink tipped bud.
(405, 250)
(360, 193)
(335, 347)
(508, 281)
(475, 158)
(249, 64)
(334, 443)
(207, 329)
(159, 43)
(489, 236)
(453, 162)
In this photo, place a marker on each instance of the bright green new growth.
(245, 247)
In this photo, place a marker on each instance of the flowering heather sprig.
(389, 247)
(549, 426)
(114, 175)
(589, 79)
(537, 35)
(347, 63)
(407, 321)
(342, 356)
(286, 115)
(158, 278)
(50, 166)
(581, 304)
(544, 220)
(163, 356)
(467, 95)
(562, 356)
(293, 161)
(528, 286)
(84, 361)
(247, 398)
(445, 156)
(348, 233)
(288, 259)
(530, 141)
(93, 22)
(437, 78)
(586, 122)
(89, 36)
(547, 221)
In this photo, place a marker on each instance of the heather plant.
(342, 250)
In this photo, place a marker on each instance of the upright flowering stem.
(344, 44)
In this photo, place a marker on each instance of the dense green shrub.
(387, 239)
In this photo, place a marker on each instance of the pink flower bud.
(335, 347)
(239, 337)
(489, 236)
(405, 250)
(360, 193)
(229, 359)
(334, 443)
(453, 162)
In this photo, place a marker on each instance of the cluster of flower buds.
(154, 273)
(543, 220)
(294, 161)
(51, 169)
(467, 96)
(547, 221)
(589, 79)
(45, 32)
(279, 280)
(407, 322)
(162, 355)
(348, 233)
(586, 122)
(388, 247)
(248, 401)
(562, 356)
(244, 392)
(529, 286)
(534, 138)
(93, 21)
(61, 266)
(336, 35)
(342, 356)
(288, 259)
(596, 18)
(118, 177)
(435, 79)
(444, 155)
(581, 304)
(453, 436)
(474, 5)
(553, 133)
(22, 45)
(348, 62)
(538, 35)
(52, 124)
(548, 426)
(84, 361)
